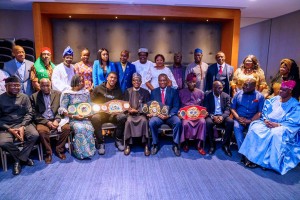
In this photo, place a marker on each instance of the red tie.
(220, 70)
(163, 96)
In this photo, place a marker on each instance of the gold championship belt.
(114, 106)
(155, 108)
(192, 112)
(83, 109)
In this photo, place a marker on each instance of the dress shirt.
(218, 110)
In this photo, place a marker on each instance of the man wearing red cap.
(42, 68)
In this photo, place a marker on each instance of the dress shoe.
(185, 148)
(250, 164)
(147, 151)
(101, 150)
(226, 150)
(201, 151)
(211, 151)
(29, 162)
(127, 150)
(176, 150)
(119, 145)
(48, 159)
(61, 156)
(243, 159)
(154, 149)
(17, 169)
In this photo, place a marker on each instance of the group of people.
(37, 96)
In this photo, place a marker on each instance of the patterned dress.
(85, 71)
(83, 142)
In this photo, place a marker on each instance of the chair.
(6, 43)
(4, 153)
(5, 51)
(30, 57)
(5, 58)
(107, 128)
(25, 42)
(1, 65)
(165, 129)
(29, 50)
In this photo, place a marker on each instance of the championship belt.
(192, 112)
(114, 106)
(155, 108)
(83, 109)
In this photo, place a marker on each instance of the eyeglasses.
(14, 85)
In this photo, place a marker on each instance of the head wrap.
(46, 49)
(136, 75)
(290, 84)
(68, 52)
(197, 50)
(12, 79)
(143, 50)
(191, 77)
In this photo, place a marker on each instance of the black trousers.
(7, 139)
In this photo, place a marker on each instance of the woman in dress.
(102, 67)
(83, 142)
(154, 72)
(85, 68)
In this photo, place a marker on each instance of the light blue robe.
(275, 148)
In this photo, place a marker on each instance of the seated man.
(137, 123)
(167, 96)
(192, 129)
(15, 122)
(45, 104)
(103, 93)
(246, 107)
(217, 104)
(273, 141)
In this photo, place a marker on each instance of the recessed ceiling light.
(164, 18)
(116, 17)
(70, 16)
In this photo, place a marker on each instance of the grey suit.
(11, 68)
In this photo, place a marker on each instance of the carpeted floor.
(163, 176)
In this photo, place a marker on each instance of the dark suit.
(11, 68)
(124, 78)
(172, 100)
(39, 107)
(212, 75)
(209, 103)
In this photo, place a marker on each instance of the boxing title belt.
(83, 109)
(114, 106)
(192, 112)
(155, 108)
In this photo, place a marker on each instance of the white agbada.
(62, 76)
(142, 69)
(153, 73)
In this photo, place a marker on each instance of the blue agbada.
(275, 148)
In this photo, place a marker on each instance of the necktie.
(220, 70)
(163, 96)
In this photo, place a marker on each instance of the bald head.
(217, 88)
(19, 53)
(45, 85)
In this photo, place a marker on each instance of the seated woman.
(249, 69)
(288, 70)
(137, 123)
(273, 142)
(84, 143)
(192, 129)
(159, 68)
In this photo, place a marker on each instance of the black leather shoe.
(127, 150)
(243, 159)
(250, 164)
(29, 162)
(154, 149)
(176, 150)
(226, 150)
(147, 151)
(48, 159)
(17, 169)
(211, 151)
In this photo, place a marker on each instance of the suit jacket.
(182, 74)
(125, 78)
(212, 71)
(209, 103)
(11, 68)
(38, 105)
(171, 99)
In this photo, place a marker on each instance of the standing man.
(178, 70)
(63, 73)
(143, 65)
(20, 67)
(15, 122)
(199, 68)
(167, 96)
(246, 107)
(45, 104)
(217, 104)
(42, 68)
(103, 93)
(125, 71)
(219, 71)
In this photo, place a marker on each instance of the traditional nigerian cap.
(191, 77)
(197, 50)
(290, 84)
(143, 50)
(136, 75)
(44, 49)
(12, 79)
(68, 52)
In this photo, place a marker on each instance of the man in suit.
(46, 103)
(217, 104)
(20, 67)
(125, 70)
(178, 70)
(167, 96)
(219, 71)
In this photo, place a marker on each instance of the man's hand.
(218, 119)
(132, 111)
(163, 117)
(270, 124)
(78, 117)
(22, 133)
(55, 124)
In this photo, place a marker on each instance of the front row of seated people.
(271, 142)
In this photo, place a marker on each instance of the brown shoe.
(147, 151)
(61, 156)
(48, 159)
(201, 151)
(127, 150)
